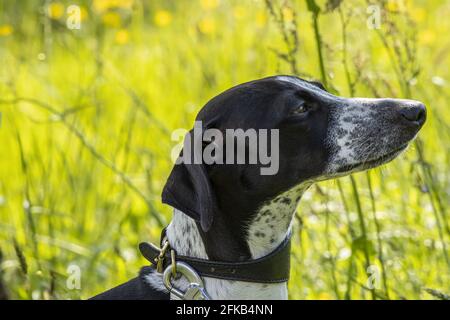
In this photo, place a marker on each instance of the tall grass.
(87, 116)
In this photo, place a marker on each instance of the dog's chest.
(266, 231)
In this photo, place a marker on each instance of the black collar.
(273, 268)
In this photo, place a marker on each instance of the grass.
(87, 117)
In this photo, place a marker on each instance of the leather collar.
(272, 268)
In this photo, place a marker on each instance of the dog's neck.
(269, 227)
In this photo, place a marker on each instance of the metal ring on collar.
(195, 282)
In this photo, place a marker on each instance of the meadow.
(90, 92)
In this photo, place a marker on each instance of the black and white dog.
(232, 213)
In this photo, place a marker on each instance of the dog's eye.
(300, 109)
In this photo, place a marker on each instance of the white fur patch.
(154, 280)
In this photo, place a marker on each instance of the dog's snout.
(414, 113)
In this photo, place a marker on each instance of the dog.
(232, 213)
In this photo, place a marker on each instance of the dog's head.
(320, 136)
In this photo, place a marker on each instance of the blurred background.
(90, 92)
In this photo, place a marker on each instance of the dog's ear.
(189, 187)
(318, 84)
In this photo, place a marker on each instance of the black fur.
(239, 188)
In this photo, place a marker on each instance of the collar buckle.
(159, 260)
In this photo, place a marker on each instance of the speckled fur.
(272, 223)
(357, 134)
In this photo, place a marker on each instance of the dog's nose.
(416, 113)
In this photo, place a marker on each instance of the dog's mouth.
(372, 163)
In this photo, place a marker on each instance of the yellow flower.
(126, 4)
(83, 13)
(102, 5)
(392, 5)
(418, 14)
(261, 19)
(111, 19)
(396, 5)
(55, 10)
(209, 4)
(239, 12)
(6, 30)
(122, 36)
(426, 37)
(163, 18)
(288, 14)
(207, 26)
